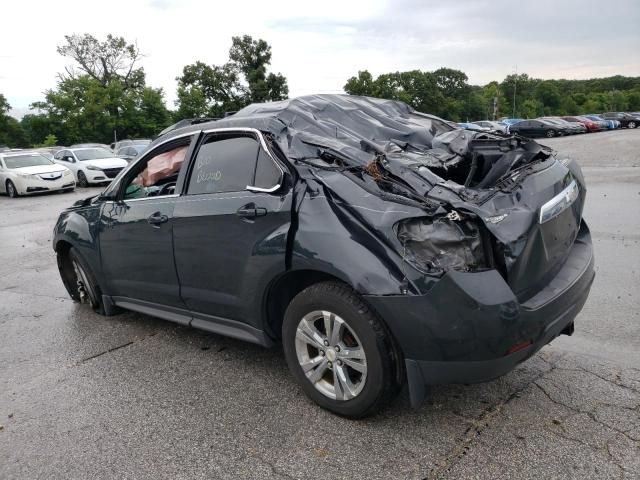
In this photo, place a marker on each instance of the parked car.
(116, 146)
(131, 152)
(626, 119)
(473, 126)
(493, 126)
(590, 125)
(90, 165)
(607, 123)
(24, 173)
(89, 145)
(566, 128)
(537, 128)
(511, 121)
(269, 227)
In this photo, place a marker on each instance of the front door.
(136, 238)
(231, 226)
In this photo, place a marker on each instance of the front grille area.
(50, 176)
(112, 172)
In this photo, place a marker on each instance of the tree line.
(103, 93)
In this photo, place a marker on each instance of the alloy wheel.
(331, 355)
(632, 124)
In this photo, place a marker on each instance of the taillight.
(446, 242)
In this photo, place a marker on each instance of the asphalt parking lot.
(130, 396)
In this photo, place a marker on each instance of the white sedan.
(23, 173)
(90, 165)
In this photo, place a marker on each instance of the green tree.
(548, 95)
(103, 93)
(633, 100)
(362, 85)
(103, 61)
(49, 141)
(11, 132)
(212, 90)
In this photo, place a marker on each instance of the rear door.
(231, 226)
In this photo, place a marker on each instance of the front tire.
(82, 179)
(632, 125)
(79, 280)
(550, 133)
(12, 191)
(339, 351)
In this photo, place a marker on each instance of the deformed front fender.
(78, 228)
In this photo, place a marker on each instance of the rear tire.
(12, 191)
(352, 372)
(79, 280)
(82, 179)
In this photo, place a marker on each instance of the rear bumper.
(464, 329)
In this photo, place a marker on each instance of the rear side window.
(224, 165)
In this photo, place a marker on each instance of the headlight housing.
(435, 245)
(27, 175)
(91, 167)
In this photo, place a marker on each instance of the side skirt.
(209, 323)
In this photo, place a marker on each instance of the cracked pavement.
(131, 396)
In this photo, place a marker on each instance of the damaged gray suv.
(377, 244)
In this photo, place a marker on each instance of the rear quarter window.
(268, 175)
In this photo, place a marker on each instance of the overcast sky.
(318, 45)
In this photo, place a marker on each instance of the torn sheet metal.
(371, 155)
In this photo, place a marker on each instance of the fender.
(332, 239)
(79, 227)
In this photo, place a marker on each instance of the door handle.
(251, 211)
(157, 218)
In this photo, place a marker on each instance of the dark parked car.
(376, 243)
(626, 120)
(565, 128)
(131, 152)
(538, 128)
(116, 146)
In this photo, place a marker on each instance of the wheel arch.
(283, 289)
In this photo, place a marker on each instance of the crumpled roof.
(355, 127)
